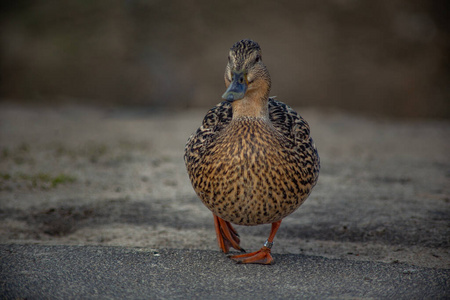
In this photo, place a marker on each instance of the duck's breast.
(249, 175)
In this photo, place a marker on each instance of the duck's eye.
(258, 58)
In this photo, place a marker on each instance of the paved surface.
(64, 272)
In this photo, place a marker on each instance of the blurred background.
(388, 58)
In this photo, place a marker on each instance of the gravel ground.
(76, 175)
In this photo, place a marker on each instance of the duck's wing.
(298, 140)
(215, 120)
(288, 122)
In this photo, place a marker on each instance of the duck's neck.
(255, 104)
(250, 108)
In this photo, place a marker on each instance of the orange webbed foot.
(227, 236)
(262, 256)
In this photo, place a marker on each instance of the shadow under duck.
(252, 161)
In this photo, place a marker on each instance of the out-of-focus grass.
(39, 180)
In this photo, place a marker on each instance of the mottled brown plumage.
(252, 161)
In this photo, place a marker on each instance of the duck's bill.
(237, 88)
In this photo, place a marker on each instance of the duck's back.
(249, 171)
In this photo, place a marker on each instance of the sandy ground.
(88, 176)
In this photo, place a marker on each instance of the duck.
(252, 161)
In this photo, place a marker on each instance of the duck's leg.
(262, 256)
(227, 236)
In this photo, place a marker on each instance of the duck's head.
(247, 79)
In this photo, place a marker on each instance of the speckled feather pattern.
(252, 171)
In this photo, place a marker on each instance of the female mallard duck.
(252, 161)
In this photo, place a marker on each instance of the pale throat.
(254, 105)
(250, 108)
